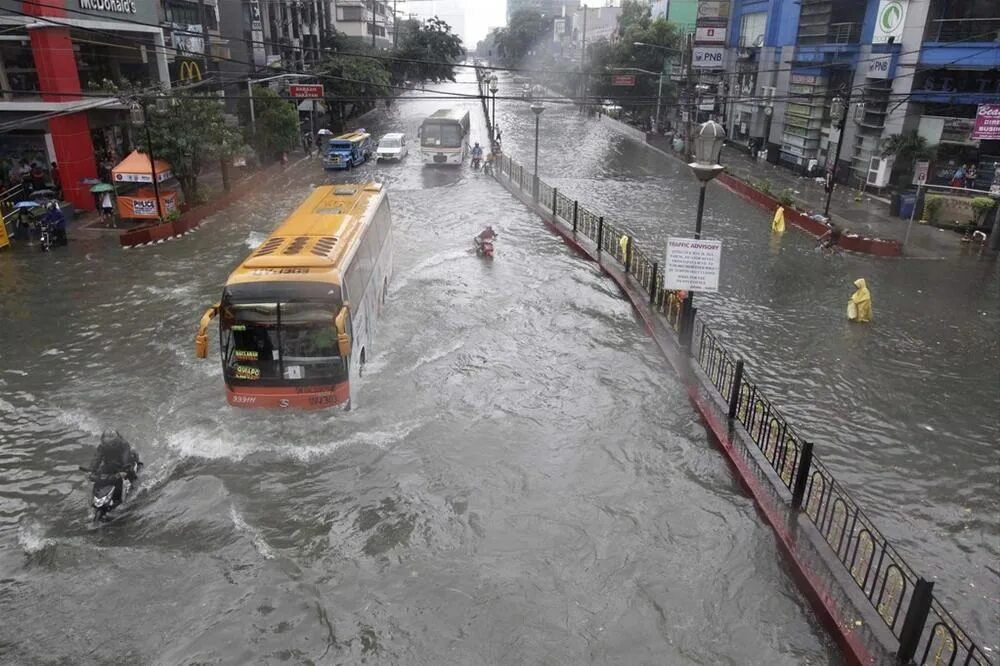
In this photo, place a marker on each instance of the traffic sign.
(920, 170)
(693, 264)
(306, 90)
(623, 80)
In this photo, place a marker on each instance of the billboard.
(889, 21)
(710, 34)
(987, 122)
(708, 57)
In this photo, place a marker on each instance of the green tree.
(186, 130)
(429, 53)
(277, 124)
(354, 83)
(906, 148)
(525, 30)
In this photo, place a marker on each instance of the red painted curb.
(156, 232)
(875, 246)
(825, 606)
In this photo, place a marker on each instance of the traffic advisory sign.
(692, 264)
(305, 91)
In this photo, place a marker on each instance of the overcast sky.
(479, 15)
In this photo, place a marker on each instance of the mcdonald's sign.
(188, 71)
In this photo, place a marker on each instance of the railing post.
(576, 206)
(555, 200)
(652, 284)
(628, 254)
(802, 475)
(600, 233)
(916, 617)
(687, 327)
(734, 394)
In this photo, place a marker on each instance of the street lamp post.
(707, 147)
(840, 105)
(537, 107)
(250, 82)
(494, 88)
(140, 114)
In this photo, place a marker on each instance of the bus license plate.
(440, 158)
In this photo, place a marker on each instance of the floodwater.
(905, 411)
(522, 479)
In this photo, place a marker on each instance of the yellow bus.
(297, 317)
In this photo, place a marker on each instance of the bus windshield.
(441, 135)
(278, 343)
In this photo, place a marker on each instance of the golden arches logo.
(189, 71)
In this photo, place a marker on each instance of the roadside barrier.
(922, 630)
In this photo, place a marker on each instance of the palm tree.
(906, 148)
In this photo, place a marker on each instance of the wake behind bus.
(444, 137)
(297, 317)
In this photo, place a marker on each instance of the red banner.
(987, 122)
(623, 80)
(305, 91)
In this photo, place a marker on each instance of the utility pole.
(395, 26)
(583, 61)
(689, 85)
(374, 14)
(204, 36)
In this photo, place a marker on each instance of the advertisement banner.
(713, 9)
(693, 264)
(987, 122)
(889, 21)
(709, 35)
(623, 80)
(708, 57)
(880, 67)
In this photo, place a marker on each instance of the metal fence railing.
(925, 631)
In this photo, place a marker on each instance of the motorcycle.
(484, 246)
(476, 161)
(45, 236)
(111, 490)
(488, 169)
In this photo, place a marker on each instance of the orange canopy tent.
(136, 169)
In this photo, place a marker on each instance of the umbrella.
(89, 181)
(102, 187)
(27, 204)
(324, 132)
(44, 193)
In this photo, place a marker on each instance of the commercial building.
(55, 56)
(363, 20)
(889, 66)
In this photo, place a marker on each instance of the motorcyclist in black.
(114, 456)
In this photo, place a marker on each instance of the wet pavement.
(522, 479)
(905, 411)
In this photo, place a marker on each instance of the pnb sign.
(708, 57)
(880, 67)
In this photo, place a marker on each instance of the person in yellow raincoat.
(778, 223)
(623, 246)
(859, 308)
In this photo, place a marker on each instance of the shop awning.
(136, 169)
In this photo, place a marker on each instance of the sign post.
(920, 171)
(306, 90)
(627, 80)
(692, 264)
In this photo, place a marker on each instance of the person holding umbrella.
(22, 230)
(103, 190)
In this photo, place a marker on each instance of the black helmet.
(109, 436)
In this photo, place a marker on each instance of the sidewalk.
(868, 217)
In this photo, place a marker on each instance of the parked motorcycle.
(44, 236)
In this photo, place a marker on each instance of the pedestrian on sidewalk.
(107, 210)
(859, 308)
(958, 178)
(56, 181)
(970, 177)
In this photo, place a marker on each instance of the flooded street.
(522, 479)
(903, 411)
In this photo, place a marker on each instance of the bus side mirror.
(201, 339)
(343, 339)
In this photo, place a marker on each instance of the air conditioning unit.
(879, 171)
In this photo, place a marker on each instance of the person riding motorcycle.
(114, 457)
(488, 166)
(486, 234)
(477, 152)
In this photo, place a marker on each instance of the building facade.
(889, 66)
(55, 59)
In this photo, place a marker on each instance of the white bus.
(444, 137)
